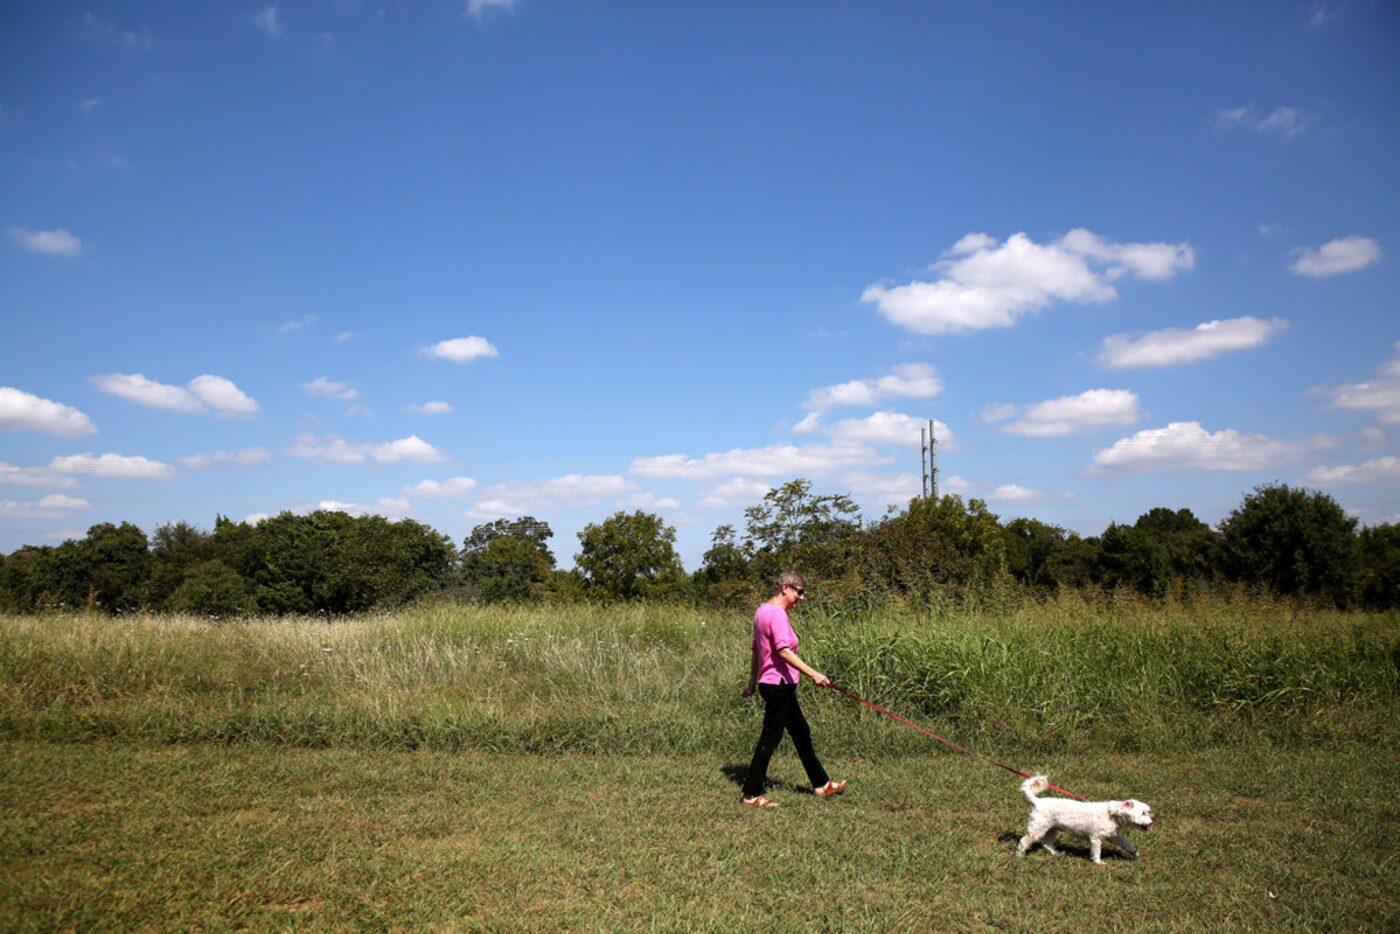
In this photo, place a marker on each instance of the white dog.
(1097, 820)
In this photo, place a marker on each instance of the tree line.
(1287, 541)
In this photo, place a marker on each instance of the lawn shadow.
(739, 773)
(1075, 848)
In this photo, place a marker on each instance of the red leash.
(894, 716)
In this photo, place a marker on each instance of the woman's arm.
(789, 656)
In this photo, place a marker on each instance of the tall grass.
(1118, 673)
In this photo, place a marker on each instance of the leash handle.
(947, 742)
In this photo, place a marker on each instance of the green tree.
(115, 561)
(1379, 548)
(1296, 542)
(176, 547)
(510, 570)
(1075, 562)
(629, 556)
(1130, 557)
(329, 562)
(508, 560)
(795, 529)
(936, 546)
(723, 577)
(1030, 544)
(212, 588)
(532, 530)
(373, 563)
(1192, 547)
(41, 577)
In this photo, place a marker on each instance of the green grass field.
(469, 769)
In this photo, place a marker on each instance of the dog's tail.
(1034, 786)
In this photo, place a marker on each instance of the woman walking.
(775, 670)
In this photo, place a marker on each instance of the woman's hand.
(820, 678)
(747, 692)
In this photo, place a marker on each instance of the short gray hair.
(791, 579)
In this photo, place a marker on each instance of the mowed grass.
(103, 836)
(460, 768)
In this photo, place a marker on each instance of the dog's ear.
(1127, 805)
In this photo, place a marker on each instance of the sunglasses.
(798, 590)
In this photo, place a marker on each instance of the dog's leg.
(1034, 831)
(1049, 844)
(1096, 848)
(1122, 841)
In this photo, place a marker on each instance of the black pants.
(782, 712)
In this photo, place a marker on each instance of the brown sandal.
(758, 802)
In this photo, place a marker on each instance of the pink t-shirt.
(771, 634)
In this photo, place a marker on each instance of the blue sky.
(463, 260)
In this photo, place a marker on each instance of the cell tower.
(928, 457)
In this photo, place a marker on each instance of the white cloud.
(994, 412)
(1335, 257)
(652, 501)
(247, 457)
(287, 327)
(201, 394)
(1283, 121)
(86, 107)
(955, 485)
(344, 336)
(773, 461)
(885, 489)
(103, 159)
(222, 395)
(269, 22)
(736, 492)
(106, 32)
(49, 242)
(114, 465)
(324, 46)
(461, 349)
(890, 428)
(321, 386)
(986, 285)
(10, 475)
(1067, 415)
(21, 411)
(1174, 346)
(432, 408)
(477, 8)
(907, 381)
(1381, 395)
(445, 489)
(337, 450)
(527, 497)
(390, 507)
(1015, 493)
(1324, 11)
(1380, 470)
(60, 501)
(52, 506)
(135, 387)
(1188, 446)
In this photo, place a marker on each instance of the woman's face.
(793, 595)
